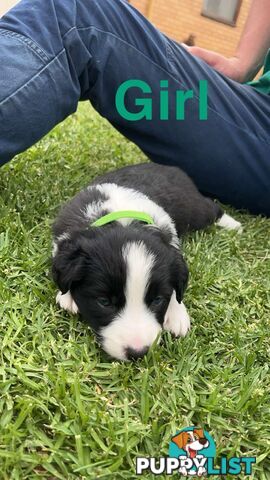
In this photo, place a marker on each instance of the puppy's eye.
(104, 302)
(157, 301)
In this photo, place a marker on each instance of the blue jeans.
(54, 53)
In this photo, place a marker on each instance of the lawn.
(66, 410)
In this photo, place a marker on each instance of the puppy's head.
(121, 280)
(191, 441)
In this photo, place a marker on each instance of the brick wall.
(180, 18)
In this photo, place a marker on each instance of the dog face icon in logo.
(193, 446)
(192, 442)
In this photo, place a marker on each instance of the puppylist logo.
(192, 452)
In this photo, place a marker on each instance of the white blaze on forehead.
(135, 327)
(139, 263)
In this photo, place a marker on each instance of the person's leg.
(39, 86)
(87, 49)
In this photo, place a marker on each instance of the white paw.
(183, 471)
(226, 221)
(201, 471)
(66, 302)
(177, 319)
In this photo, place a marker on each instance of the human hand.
(231, 67)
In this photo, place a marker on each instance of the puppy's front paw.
(66, 302)
(177, 319)
(183, 471)
(201, 471)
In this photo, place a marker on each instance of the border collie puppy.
(116, 254)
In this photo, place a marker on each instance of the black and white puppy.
(127, 278)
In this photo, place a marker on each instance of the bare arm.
(251, 50)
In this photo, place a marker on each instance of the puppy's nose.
(133, 354)
(203, 441)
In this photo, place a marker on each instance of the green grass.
(66, 410)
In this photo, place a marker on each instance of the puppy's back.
(170, 188)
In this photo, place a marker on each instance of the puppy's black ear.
(68, 265)
(179, 274)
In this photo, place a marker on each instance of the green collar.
(111, 217)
